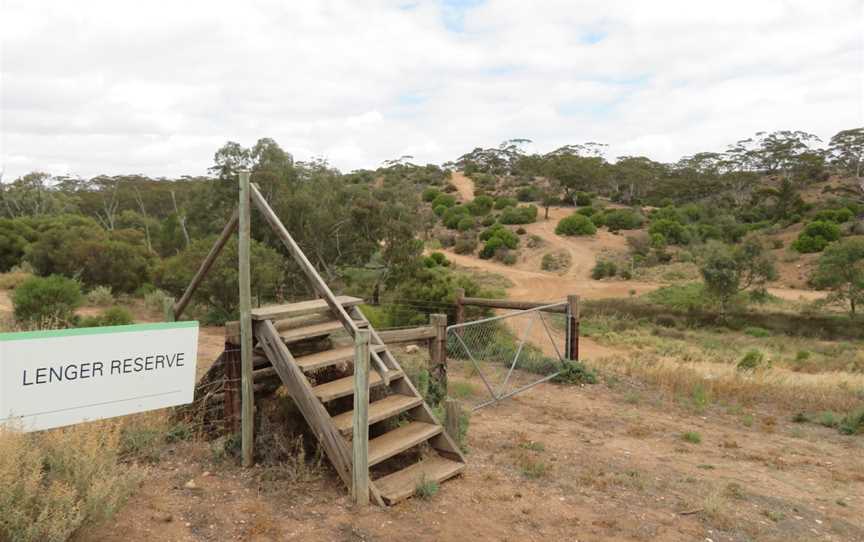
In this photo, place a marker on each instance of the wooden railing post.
(452, 416)
(360, 442)
(438, 351)
(231, 405)
(168, 309)
(248, 412)
(572, 339)
(460, 306)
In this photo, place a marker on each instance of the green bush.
(575, 372)
(443, 199)
(587, 211)
(502, 202)
(47, 299)
(465, 245)
(852, 423)
(491, 247)
(751, 361)
(838, 216)
(100, 295)
(508, 238)
(15, 237)
(673, 232)
(115, 316)
(430, 194)
(528, 193)
(582, 199)
(453, 215)
(524, 214)
(623, 219)
(488, 220)
(481, 205)
(436, 259)
(466, 223)
(815, 236)
(603, 269)
(575, 224)
(758, 332)
(440, 209)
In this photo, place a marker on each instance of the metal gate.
(510, 353)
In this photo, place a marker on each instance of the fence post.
(438, 351)
(248, 412)
(572, 341)
(460, 306)
(452, 416)
(360, 443)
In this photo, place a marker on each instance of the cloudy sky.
(155, 87)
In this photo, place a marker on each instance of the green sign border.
(52, 333)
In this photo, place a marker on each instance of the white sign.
(63, 377)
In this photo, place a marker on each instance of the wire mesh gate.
(509, 353)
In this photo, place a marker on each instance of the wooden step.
(303, 308)
(400, 439)
(343, 387)
(334, 356)
(402, 484)
(379, 410)
(309, 331)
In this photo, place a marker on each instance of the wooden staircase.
(407, 443)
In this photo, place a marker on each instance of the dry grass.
(13, 279)
(53, 482)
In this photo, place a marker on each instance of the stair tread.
(313, 330)
(302, 308)
(378, 410)
(312, 362)
(400, 439)
(342, 387)
(402, 484)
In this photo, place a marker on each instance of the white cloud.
(156, 87)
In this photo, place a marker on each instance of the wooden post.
(452, 416)
(360, 442)
(572, 327)
(438, 351)
(460, 307)
(168, 309)
(248, 413)
(206, 264)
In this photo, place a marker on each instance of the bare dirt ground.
(604, 462)
(463, 184)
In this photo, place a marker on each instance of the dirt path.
(463, 184)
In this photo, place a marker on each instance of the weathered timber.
(302, 308)
(227, 231)
(393, 336)
(438, 351)
(247, 421)
(360, 440)
(511, 304)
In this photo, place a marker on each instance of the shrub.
(575, 372)
(466, 223)
(502, 202)
(575, 224)
(430, 194)
(521, 231)
(534, 241)
(603, 269)
(524, 214)
(838, 216)
(100, 295)
(14, 239)
(507, 237)
(439, 210)
(505, 256)
(582, 198)
(481, 205)
(587, 211)
(488, 220)
(491, 247)
(623, 219)
(425, 488)
(528, 193)
(115, 316)
(13, 279)
(465, 245)
(751, 361)
(815, 236)
(692, 437)
(443, 199)
(436, 259)
(853, 422)
(41, 299)
(453, 215)
(555, 261)
(673, 232)
(759, 332)
(218, 290)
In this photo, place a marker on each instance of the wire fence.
(503, 355)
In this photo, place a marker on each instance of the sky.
(123, 87)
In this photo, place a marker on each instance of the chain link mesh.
(506, 354)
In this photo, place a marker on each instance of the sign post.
(62, 377)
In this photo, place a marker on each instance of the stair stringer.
(443, 442)
(313, 411)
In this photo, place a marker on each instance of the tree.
(841, 269)
(730, 270)
(576, 173)
(846, 151)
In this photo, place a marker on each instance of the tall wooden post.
(168, 309)
(438, 351)
(572, 327)
(460, 306)
(452, 417)
(360, 442)
(248, 393)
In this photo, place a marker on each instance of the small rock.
(206, 473)
(412, 349)
(190, 485)
(162, 518)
